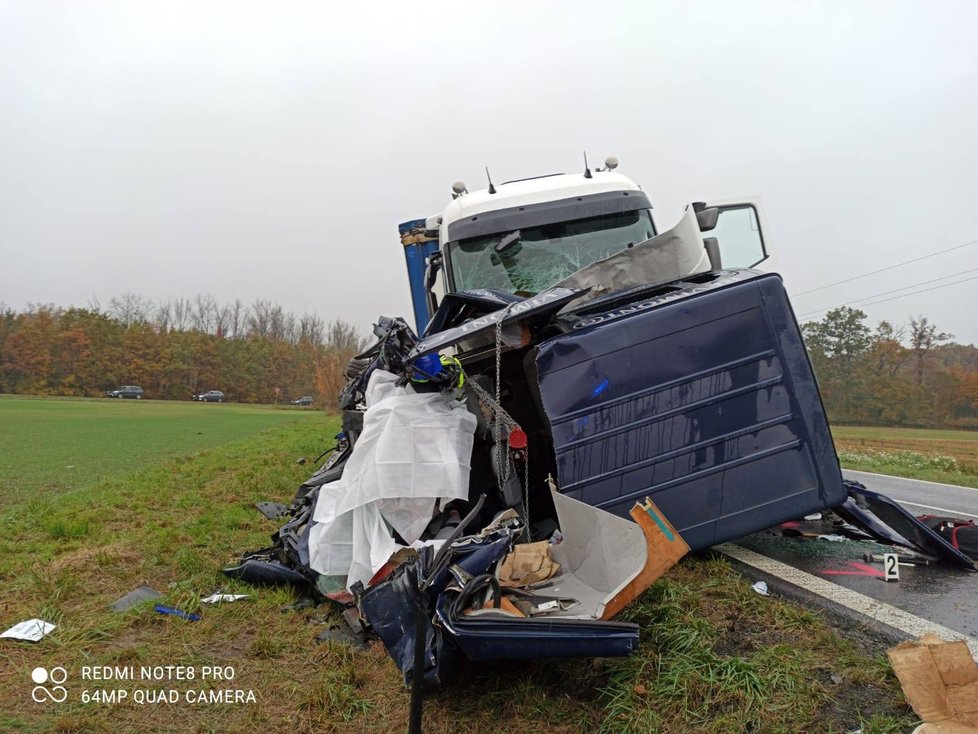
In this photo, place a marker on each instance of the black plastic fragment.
(272, 510)
(889, 522)
(271, 573)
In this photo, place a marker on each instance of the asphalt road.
(920, 497)
(939, 595)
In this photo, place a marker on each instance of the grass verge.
(715, 657)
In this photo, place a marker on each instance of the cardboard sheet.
(940, 680)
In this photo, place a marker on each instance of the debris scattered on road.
(890, 523)
(31, 630)
(761, 588)
(190, 617)
(962, 534)
(134, 597)
(222, 598)
(940, 680)
(910, 559)
(833, 538)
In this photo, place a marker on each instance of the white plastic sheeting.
(414, 451)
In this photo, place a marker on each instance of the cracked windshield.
(528, 260)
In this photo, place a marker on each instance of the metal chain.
(526, 493)
(501, 419)
(499, 409)
(499, 403)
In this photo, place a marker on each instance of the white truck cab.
(592, 229)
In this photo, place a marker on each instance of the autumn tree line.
(903, 375)
(897, 375)
(254, 353)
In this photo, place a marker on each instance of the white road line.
(939, 509)
(907, 623)
(910, 479)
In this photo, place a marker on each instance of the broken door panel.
(891, 523)
(606, 562)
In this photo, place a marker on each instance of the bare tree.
(924, 336)
(260, 318)
(163, 318)
(222, 321)
(311, 329)
(236, 319)
(887, 350)
(204, 310)
(130, 308)
(180, 309)
(343, 337)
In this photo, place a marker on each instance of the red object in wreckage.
(517, 439)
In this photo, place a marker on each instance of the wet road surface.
(945, 596)
(922, 498)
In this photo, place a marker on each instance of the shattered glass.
(541, 256)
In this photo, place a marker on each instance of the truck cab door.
(734, 234)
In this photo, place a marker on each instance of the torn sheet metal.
(707, 403)
(604, 563)
(676, 253)
(539, 307)
(476, 301)
(414, 453)
(600, 555)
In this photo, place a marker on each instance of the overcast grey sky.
(270, 149)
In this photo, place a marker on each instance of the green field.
(714, 656)
(49, 444)
(947, 456)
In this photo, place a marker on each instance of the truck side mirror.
(736, 231)
(707, 218)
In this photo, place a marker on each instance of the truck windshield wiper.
(507, 242)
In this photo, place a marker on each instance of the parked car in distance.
(126, 391)
(304, 400)
(211, 396)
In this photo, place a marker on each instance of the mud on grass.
(714, 657)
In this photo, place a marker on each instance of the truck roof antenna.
(587, 171)
(492, 189)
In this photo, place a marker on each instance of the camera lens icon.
(56, 676)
